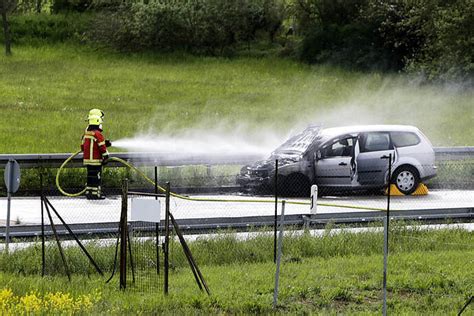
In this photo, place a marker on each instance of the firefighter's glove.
(108, 143)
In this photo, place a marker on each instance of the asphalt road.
(79, 210)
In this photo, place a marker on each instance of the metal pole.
(7, 228)
(157, 227)
(9, 200)
(276, 213)
(167, 238)
(187, 253)
(132, 265)
(123, 236)
(43, 257)
(56, 236)
(385, 238)
(84, 250)
(280, 243)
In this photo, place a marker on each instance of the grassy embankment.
(46, 92)
(334, 273)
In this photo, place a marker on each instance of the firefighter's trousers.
(94, 182)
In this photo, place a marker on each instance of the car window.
(375, 141)
(341, 147)
(404, 139)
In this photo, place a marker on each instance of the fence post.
(167, 238)
(385, 237)
(280, 242)
(43, 257)
(276, 213)
(123, 236)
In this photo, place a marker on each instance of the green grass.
(342, 273)
(228, 249)
(46, 92)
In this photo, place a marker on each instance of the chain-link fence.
(226, 216)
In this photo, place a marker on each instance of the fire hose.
(184, 197)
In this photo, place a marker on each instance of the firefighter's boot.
(94, 193)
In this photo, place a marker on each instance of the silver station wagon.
(345, 159)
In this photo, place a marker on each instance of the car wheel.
(406, 179)
(296, 184)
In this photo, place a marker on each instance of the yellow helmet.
(96, 112)
(96, 117)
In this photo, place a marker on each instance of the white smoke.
(373, 99)
(216, 140)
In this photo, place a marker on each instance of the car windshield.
(299, 143)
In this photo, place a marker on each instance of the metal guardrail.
(209, 225)
(163, 159)
(139, 159)
(454, 153)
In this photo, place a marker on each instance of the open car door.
(372, 164)
(334, 164)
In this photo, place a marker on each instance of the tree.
(4, 9)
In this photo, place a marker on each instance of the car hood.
(290, 151)
(299, 143)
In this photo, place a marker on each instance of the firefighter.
(94, 146)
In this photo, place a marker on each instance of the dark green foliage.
(433, 38)
(204, 26)
(448, 50)
(339, 32)
(70, 5)
(41, 28)
(350, 45)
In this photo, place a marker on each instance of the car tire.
(296, 184)
(407, 179)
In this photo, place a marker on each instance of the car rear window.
(404, 139)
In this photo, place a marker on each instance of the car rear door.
(372, 164)
(333, 166)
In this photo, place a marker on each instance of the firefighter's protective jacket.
(93, 147)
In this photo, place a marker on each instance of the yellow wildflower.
(31, 303)
(6, 299)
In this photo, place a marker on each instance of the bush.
(334, 32)
(200, 26)
(32, 28)
(59, 6)
(350, 45)
(448, 50)
(433, 38)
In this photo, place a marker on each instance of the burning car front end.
(259, 176)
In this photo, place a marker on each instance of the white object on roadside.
(314, 198)
(145, 210)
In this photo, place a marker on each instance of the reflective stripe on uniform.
(93, 162)
(101, 143)
(91, 151)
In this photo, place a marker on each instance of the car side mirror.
(318, 155)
